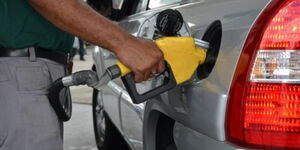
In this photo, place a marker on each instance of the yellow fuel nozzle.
(181, 53)
(123, 68)
(182, 58)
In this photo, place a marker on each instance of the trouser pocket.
(32, 78)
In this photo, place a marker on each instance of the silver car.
(245, 96)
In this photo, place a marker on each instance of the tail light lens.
(264, 101)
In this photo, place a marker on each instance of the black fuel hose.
(63, 111)
(63, 107)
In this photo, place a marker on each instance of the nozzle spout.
(110, 73)
(203, 44)
(86, 77)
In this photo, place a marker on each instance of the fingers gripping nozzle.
(182, 57)
(183, 54)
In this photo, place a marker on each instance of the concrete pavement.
(79, 132)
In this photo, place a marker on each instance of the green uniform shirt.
(21, 26)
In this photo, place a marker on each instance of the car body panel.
(188, 139)
(132, 122)
(109, 95)
(203, 103)
(198, 106)
(115, 97)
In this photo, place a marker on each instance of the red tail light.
(264, 101)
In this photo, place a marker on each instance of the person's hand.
(142, 57)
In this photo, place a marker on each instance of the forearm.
(75, 17)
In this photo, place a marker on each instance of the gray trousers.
(27, 120)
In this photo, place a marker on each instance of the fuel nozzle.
(182, 57)
(85, 77)
(191, 55)
(110, 73)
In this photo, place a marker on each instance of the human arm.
(75, 17)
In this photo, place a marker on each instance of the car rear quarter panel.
(201, 105)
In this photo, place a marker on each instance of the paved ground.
(78, 132)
